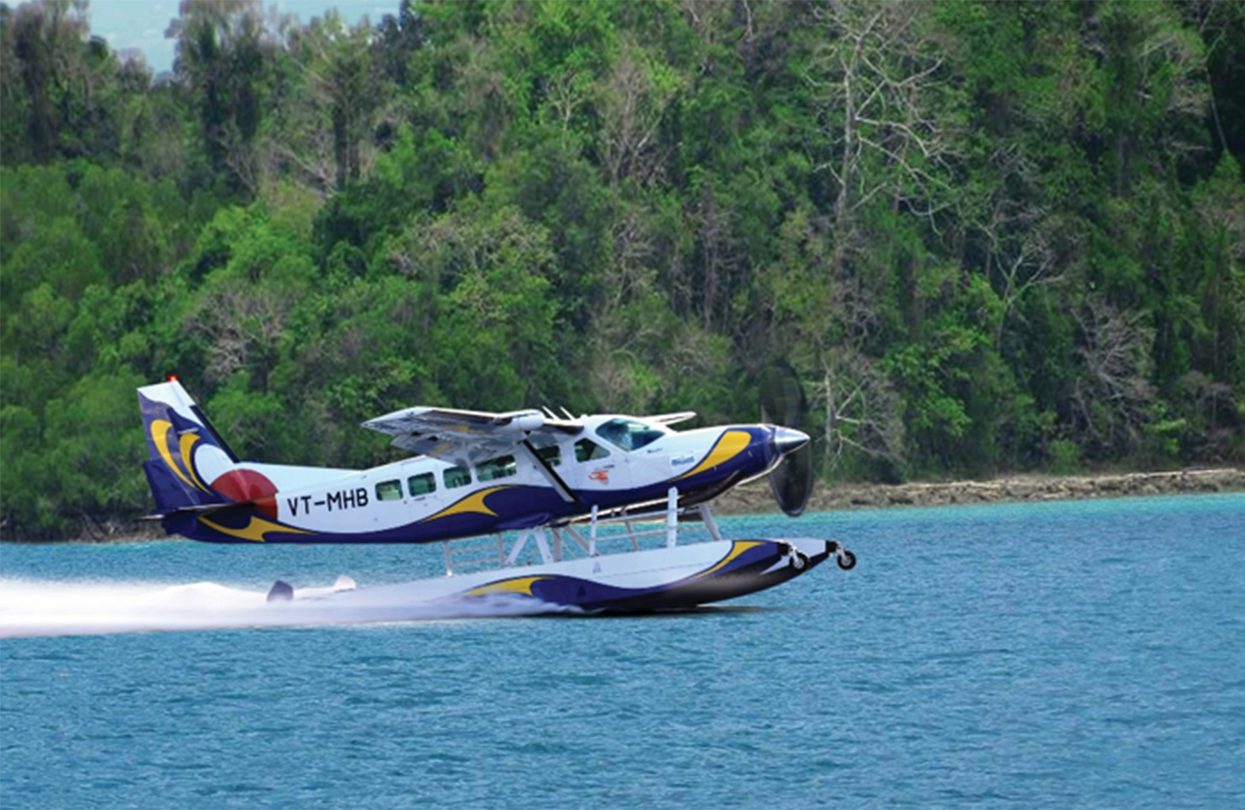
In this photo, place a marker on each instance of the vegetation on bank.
(986, 235)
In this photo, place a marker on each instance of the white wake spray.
(58, 608)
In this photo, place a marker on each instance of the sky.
(140, 24)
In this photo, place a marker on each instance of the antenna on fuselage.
(566, 413)
(548, 412)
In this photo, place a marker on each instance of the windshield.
(629, 434)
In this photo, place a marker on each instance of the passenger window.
(389, 491)
(493, 469)
(587, 450)
(421, 484)
(457, 477)
(550, 455)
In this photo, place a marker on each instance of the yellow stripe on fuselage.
(731, 444)
(473, 503)
(254, 530)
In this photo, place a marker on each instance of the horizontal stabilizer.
(205, 509)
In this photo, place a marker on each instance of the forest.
(987, 237)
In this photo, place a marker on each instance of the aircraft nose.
(788, 440)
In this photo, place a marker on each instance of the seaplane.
(589, 513)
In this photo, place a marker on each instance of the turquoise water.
(1068, 654)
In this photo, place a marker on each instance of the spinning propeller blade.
(783, 403)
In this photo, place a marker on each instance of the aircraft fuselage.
(425, 499)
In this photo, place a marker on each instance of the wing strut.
(559, 486)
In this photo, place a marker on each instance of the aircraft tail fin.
(187, 458)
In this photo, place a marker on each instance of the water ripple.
(1034, 655)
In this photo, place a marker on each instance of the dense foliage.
(987, 236)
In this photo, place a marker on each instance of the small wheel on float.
(845, 559)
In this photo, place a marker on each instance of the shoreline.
(755, 498)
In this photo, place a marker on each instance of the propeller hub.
(788, 440)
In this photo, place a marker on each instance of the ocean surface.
(1080, 654)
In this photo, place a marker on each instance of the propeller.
(783, 403)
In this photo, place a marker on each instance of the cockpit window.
(628, 433)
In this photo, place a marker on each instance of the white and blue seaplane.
(581, 512)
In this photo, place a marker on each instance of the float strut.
(672, 517)
(517, 548)
(592, 533)
(706, 514)
(542, 545)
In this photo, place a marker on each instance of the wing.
(469, 437)
(673, 418)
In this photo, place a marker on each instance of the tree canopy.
(986, 236)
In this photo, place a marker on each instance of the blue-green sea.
(1078, 654)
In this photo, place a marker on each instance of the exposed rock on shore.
(755, 497)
